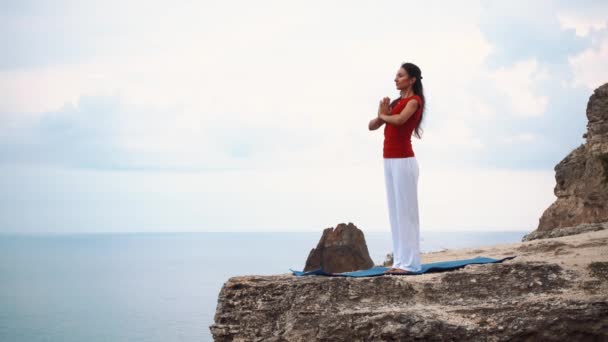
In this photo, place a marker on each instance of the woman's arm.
(402, 117)
(375, 123)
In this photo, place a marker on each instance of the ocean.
(153, 286)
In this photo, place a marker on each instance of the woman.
(402, 118)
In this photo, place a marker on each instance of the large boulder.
(342, 249)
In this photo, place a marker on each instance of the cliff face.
(554, 289)
(582, 177)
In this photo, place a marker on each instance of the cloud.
(48, 33)
(590, 66)
(276, 115)
(519, 84)
(104, 132)
(531, 30)
(85, 135)
(191, 105)
(537, 79)
(524, 137)
(583, 16)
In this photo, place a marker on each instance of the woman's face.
(403, 80)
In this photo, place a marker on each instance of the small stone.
(473, 280)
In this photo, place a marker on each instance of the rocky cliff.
(581, 177)
(555, 289)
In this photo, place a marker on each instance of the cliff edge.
(555, 289)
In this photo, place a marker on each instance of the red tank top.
(398, 138)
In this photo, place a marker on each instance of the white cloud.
(583, 23)
(525, 137)
(591, 67)
(298, 79)
(519, 84)
(449, 134)
(223, 86)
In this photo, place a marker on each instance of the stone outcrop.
(582, 176)
(555, 289)
(342, 249)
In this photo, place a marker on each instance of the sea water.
(153, 286)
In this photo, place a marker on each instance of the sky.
(171, 116)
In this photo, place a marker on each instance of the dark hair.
(414, 71)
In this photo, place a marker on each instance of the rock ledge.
(556, 288)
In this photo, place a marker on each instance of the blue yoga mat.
(426, 268)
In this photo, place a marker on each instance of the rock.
(388, 261)
(342, 249)
(535, 297)
(581, 178)
(599, 270)
(557, 232)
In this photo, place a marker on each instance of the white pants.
(401, 178)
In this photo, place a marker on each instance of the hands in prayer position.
(383, 109)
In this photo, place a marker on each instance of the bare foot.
(397, 271)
